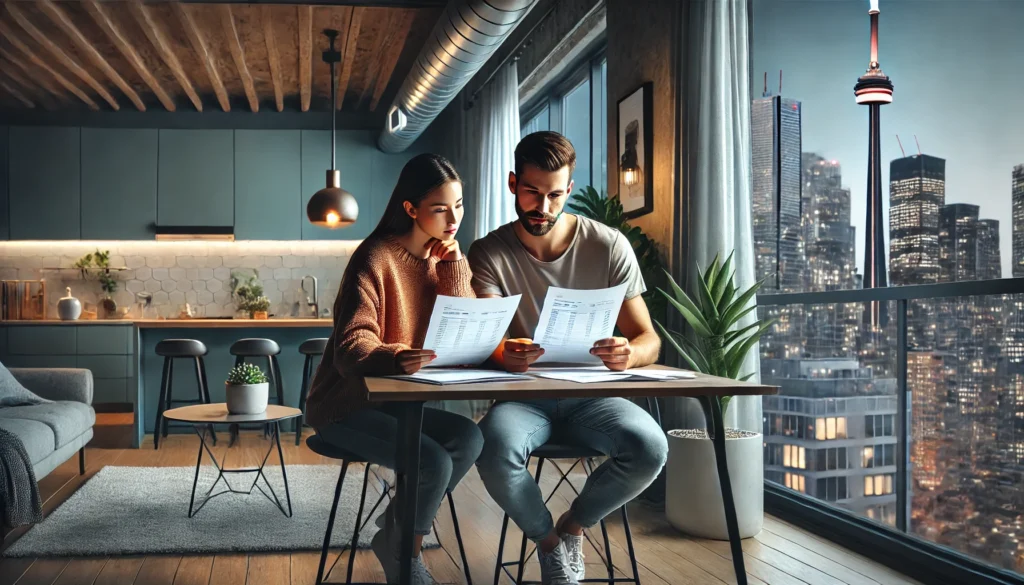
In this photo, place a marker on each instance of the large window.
(576, 106)
(928, 386)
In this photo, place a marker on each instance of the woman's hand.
(519, 354)
(444, 250)
(409, 361)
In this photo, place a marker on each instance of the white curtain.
(719, 194)
(489, 137)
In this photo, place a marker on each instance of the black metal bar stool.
(172, 349)
(320, 447)
(312, 349)
(259, 347)
(580, 454)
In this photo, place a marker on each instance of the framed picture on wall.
(635, 128)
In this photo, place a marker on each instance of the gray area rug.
(144, 510)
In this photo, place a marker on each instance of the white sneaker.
(554, 567)
(386, 544)
(574, 551)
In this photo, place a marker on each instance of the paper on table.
(593, 375)
(572, 320)
(442, 376)
(464, 331)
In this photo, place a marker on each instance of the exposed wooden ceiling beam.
(6, 32)
(395, 42)
(31, 89)
(378, 49)
(61, 19)
(272, 55)
(348, 55)
(231, 32)
(17, 94)
(305, 55)
(34, 74)
(128, 51)
(163, 46)
(63, 58)
(203, 52)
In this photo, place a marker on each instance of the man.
(547, 247)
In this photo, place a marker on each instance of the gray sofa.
(53, 432)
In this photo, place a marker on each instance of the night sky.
(958, 72)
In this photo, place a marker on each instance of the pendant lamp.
(332, 207)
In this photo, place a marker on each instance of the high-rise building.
(917, 190)
(1017, 191)
(775, 157)
(833, 434)
(990, 264)
(958, 242)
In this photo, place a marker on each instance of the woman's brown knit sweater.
(383, 307)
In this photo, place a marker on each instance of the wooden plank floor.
(782, 554)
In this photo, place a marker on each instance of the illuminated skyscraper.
(775, 155)
(1017, 190)
(917, 190)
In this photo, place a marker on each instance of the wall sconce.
(629, 164)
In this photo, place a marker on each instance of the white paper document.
(443, 376)
(597, 374)
(572, 320)
(464, 331)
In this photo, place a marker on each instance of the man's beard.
(536, 229)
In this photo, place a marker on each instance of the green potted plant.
(719, 346)
(247, 389)
(248, 293)
(98, 263)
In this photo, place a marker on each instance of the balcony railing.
(919, 318)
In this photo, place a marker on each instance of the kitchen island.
(126, 370)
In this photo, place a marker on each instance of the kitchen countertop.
(282, 322)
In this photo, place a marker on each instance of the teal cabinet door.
(5, 221)
(268, 184)
(45, 183)
(355, 159)
(119, 182)
(196, 178)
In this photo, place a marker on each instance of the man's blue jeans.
(634, 443)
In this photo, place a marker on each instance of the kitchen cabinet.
(119, 183)
(5, 221)
(268, 184)
(355, 159)
(196, 178)
(44, 186)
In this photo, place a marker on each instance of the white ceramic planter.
(693, 498)
(247, 398)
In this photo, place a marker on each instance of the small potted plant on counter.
(693, 500)
(247, 390)
(258, 307)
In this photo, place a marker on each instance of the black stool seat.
(315, 346)
(556, 451)
(321, 447)
(255, 347)
(181, 348)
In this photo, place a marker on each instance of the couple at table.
(381, 316)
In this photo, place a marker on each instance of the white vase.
(693, 498)
(247, 398)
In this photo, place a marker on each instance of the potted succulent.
(693, 501)
(248, 293)
(247, 389)
(258, 307)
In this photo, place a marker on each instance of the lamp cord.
(334, 108)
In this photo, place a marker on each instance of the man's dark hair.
(546, 150)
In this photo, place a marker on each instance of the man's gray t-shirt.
(598, 257)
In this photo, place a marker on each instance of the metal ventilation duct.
(463, 39)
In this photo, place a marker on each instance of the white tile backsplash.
(178, 272)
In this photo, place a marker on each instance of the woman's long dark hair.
(421, 175)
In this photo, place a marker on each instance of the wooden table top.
(232, 323)
(392, 390)
(218, 413)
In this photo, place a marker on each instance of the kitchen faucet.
(315, 300)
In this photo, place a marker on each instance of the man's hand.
(615, 352)
(409, 361)
(444, 250)
(519, 354)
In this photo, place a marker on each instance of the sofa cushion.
(36, 436)
(67, 420)
(12, 393)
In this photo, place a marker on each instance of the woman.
(380, 319)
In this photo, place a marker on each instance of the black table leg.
(716, 427)
(407, 463)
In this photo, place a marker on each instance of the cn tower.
(874, 89)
